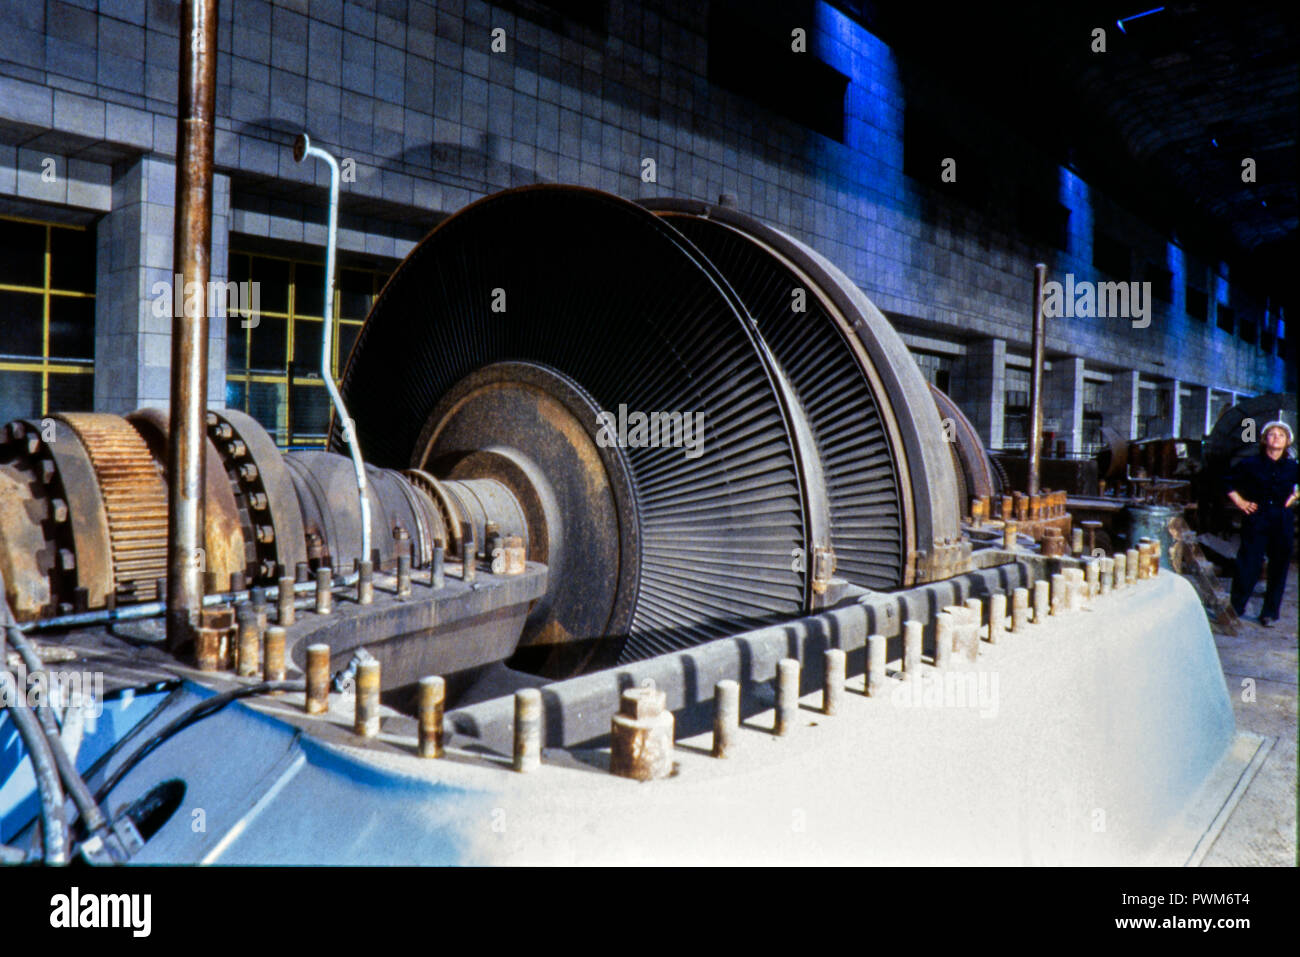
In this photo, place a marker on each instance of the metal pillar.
(1036, 383)
(191, 254)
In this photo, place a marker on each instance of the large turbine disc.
(890, 479)
(617, 302)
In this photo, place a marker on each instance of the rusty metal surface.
(134, 494)
(263, 491)
(224, 547)
(326, 489)
(25, 562)
(78, 487)
(191, 260)
(528, 430)
(449, 631)
(445, 513)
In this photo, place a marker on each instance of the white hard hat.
(1278, 424)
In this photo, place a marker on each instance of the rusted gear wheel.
(133, 489)
(224, 546)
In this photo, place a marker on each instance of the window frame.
(282, 432)
(45, 364)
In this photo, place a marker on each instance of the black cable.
(54, 824)
(198, 712)
(92, 816)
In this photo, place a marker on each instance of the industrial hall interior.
(574, 386)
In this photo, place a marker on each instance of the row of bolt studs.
(642, 730)
(220, 645)
(432, 700)
(255, 645)
(1019, 507)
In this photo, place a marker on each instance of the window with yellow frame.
(47, 318)
(273, 359)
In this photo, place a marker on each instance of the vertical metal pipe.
(1019, 609)
(437, 576)
(365, 582)
(302, 148)
(191, 255)
(1041, 601)
(1036, 382)
(324, 596)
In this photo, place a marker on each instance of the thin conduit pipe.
(302, 148)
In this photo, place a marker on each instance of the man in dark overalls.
(1263, 486)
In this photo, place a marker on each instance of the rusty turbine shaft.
(83, 511)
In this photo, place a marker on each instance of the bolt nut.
(248, 472)
(265, 534)
(237, 449)
(59, 510)
(222, 431)
(257, 501)
(67, 560)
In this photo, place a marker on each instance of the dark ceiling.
(1162, 119)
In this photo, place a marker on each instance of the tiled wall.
(411, 92)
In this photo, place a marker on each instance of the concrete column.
(979, 387)
(1171, 422)
(134, 253)
(1063, 401)
(1120, 402)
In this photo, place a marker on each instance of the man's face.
(1275, 440)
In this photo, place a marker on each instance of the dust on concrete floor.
(1262, 828)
